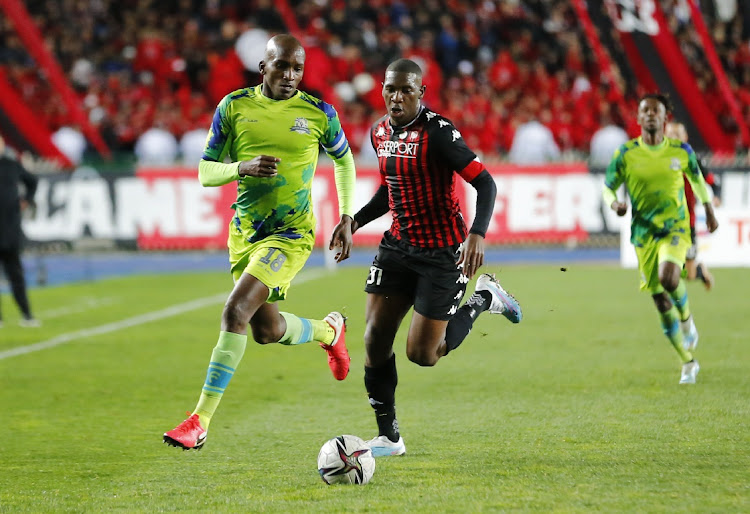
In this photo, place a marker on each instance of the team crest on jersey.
(300, 126)
(676, 166)
(414, 135)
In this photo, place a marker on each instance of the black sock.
(461, 323)
(699, 272)
(381, 384)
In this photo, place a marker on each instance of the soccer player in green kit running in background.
(271, 133)
(652, 168)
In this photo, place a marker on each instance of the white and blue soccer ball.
(346, 459)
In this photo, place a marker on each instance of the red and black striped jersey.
(419, 163)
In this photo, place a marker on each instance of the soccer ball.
(346, 459)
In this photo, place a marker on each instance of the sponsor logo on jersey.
(398, 149)
(300, 126)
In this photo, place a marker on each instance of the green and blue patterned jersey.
(653, 176)
(247, 124)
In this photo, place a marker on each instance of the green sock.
(670, 323)
(303, 330)
(680, 299)
(225, 358)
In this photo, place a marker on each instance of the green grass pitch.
(575, 409)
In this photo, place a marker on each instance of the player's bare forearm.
(472, 255)
(342, 238)
(711, 222)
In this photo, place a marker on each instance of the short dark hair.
(663, 98)
(404, 66)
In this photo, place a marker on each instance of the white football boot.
(381, 446)
(689, 371)
(689, 334)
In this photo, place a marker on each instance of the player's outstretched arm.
(375, 208)
(711, 222)
(342, 238)
(472, 255)
(610, 198)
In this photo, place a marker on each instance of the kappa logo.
(380, 132)
(300, 126)
(456, 134)
(443, 123)
(676, 165)
(462, 279)
(452, 310)
(430, 115)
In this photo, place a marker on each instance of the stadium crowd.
(490, 66)
(731, 40)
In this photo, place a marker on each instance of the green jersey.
(653, 176)
(247, 124)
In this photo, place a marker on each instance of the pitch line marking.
(141, 319)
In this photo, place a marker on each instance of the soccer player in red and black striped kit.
(428, 255)
(694, 269)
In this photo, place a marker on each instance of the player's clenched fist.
(619, 207)
(260, 166)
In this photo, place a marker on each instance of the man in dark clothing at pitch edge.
(11, 237)
(429, 254)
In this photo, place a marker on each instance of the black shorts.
(429, 276)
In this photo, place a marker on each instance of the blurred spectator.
(250, 47)
(481, 60)
(726, 10)
(224, 66)
(156, 147)
(605, 141)
(71, 142)
(533, 143)
(192, 143)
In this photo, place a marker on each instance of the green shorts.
(671, 248)
(275, 260)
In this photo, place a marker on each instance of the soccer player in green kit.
(271, 133)
(652, 169)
